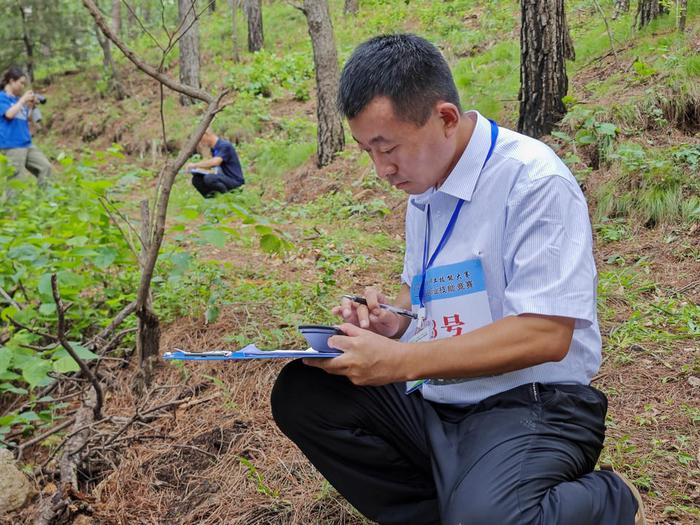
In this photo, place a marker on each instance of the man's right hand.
(370, 316)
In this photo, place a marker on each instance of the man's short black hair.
(405, 68)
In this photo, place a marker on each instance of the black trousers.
(525, 456)
(208, 184)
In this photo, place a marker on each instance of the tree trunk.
(253, 11)
(28, 44)
(682, 15)
(234, 5)
(148, 339)
(543, 81)
(351, 7)
(189, 47)
(621, 6)
(117, 17)
(647, 10)
(110, 70)
(331, 138)
(569, 49)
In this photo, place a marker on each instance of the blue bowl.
(317, 336)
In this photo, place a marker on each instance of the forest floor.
(218, 457)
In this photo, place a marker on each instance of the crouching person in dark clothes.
(219, 174)
(479, 410)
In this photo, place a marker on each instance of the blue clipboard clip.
(213, 355)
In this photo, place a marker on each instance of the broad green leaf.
(212, 313)
(78, 240)
(188, 214)
(29, 416)
(215, 237)
(105, 257)
(8, 375)
(8, 420)
(585, 137)
(83, 353)
(36, 373)
(47, 309)
(607, 128)
(8, 312)
(9, 387)
(5, 358)
(561, 136)
(24, 252)
(45, 288)
(26, 316)
(270, 243)
(69, 282)
(263, 230)
(181, 263)
(65, 365)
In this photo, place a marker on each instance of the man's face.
(17, 86)
(409, 157)
(207, 141)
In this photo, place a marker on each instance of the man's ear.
(450, 116)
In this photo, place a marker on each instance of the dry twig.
(61, 310)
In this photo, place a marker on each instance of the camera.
(41, 99)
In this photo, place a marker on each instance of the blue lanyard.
(428, 262)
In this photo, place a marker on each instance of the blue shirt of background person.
(14, 132)
(230, 164)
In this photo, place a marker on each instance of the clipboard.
(248, 352)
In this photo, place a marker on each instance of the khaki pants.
(30, 158)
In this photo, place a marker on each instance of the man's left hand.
(368, 359)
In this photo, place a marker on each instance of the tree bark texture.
(543, 80)
(621, 6)
(253, 11)
(569, 49)
(331, 138)
(117, 17)
(351, 7)
(682, 15)
(110, 69)
(28, 45)
(647, 10)
(234, 5)
(189, 47)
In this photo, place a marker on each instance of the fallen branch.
(42, 437)
(50, 508)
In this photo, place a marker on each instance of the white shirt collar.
(463, 178)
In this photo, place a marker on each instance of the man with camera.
(16, 108)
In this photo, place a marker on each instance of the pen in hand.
(390, 308)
